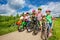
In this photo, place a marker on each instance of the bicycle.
(35, 25)
(22, 26)
(45, 30)
(29, 26)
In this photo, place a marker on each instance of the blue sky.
(40, 2)
(8, 7)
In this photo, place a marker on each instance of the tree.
(59, 15)
(17, 16)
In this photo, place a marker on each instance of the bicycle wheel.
(35, 31)
(44, 33)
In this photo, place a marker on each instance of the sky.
(12, 7)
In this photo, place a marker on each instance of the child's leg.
(50, 27)
(40, 25)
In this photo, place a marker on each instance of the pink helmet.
(33, 10)
(48, 10)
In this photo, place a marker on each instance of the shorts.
(49, 26)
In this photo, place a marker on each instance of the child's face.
(44, 18)
(39, 10)
(26, 14)
(33, 14)
(47, 13)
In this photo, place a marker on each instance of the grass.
(4, 29)
(56, 30)
(7, 30)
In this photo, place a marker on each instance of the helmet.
(27, 12)
(39, 8)
(48, 10)
(33, 10)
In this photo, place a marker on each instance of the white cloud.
(16, 4)
(53, 6)
(6, 10)
(32, 8)
(11, 7)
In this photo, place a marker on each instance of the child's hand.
(53, 18)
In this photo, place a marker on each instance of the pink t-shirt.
(39, 16)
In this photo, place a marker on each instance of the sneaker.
(50, 34)
(28, 29)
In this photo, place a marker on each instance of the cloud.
(32, 7)
(53, 6)
(16, 4)
(6, 10)
(11, 7)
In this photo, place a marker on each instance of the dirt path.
(20, 36)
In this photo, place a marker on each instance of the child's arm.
(53, 18)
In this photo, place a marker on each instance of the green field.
(5, 30)
(56, 30)
(7, 26)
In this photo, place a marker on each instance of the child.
(49, 21)
(23, 23)
(44, 28)
(28, 20)
(19, 21)
(35, 22)
(33, 15)
(39, 16)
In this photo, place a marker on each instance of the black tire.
(28, 29)
(20, 30)
(35, 31)
(45, 32)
